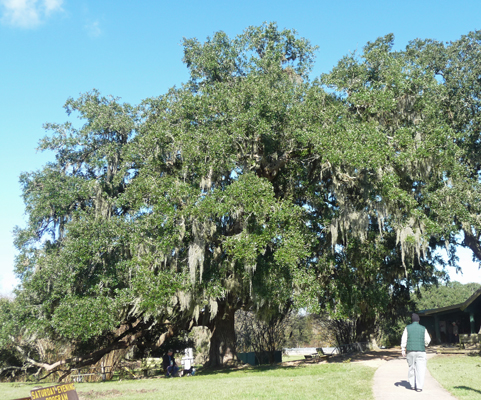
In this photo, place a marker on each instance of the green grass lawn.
(324, 381)
(460, 375)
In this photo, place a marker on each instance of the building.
(467, 316)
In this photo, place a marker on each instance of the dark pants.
(172, 370)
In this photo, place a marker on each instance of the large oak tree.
(250, 186)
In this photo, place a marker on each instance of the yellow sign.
(65, 391)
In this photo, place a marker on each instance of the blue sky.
(55, 49)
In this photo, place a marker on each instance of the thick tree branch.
(472, 242)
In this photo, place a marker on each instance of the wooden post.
(436, 329)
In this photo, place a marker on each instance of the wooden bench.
(465, 339)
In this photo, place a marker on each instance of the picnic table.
(318, 355)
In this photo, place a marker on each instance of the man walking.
(415, 338)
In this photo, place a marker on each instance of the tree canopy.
(450, 294)
(250, 187)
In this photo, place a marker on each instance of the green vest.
(415, 337)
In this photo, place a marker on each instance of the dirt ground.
(373, 358)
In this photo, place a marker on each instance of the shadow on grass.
(467, 388)
(384, 354)
(249, 369)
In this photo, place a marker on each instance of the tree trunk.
(223, 338)
(365, 326)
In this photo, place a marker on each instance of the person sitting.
(168, 362)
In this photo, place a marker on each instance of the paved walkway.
(391, 383)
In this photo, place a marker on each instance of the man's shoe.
(419, 390)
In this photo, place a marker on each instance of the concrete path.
(391, 383)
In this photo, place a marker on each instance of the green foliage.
(72, 253)
(84, 318)
(391, 332)
(259, 50)
(256, 335)
(309, 330)
(7, 318)
(11, 360)
(450, 294)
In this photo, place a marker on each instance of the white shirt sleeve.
(427, 338)
(404, 339)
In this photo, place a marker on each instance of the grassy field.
(323, 381)
(461, 375)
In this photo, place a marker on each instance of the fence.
(353, 348)
(341, 349)
(302, 351)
